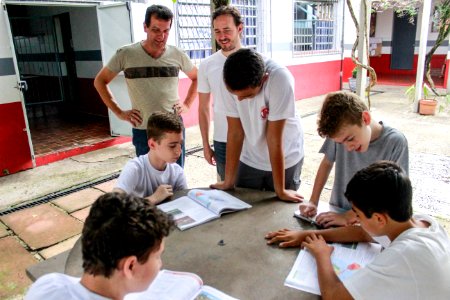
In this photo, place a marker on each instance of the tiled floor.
(45, 230)
(55, 133)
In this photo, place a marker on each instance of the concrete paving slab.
(54, 264)
(43, 225)
(60, 247)
(63, 174)
(198, 172)
(81, 214)
(3, 230)
(14, 259)
(78, 200)
(106, 186)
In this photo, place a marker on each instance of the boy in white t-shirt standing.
(265, 136)
(155, 175)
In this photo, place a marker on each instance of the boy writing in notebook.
(122, 242)
(353, 141)
(416, 264)
(155, 175)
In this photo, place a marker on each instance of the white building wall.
(8, 82)
(280, 19)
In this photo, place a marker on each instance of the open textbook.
(170, 285)
(201, 206)
(321, 207)
(346, 259)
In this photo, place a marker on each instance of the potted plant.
(352, 80)
(427, 105)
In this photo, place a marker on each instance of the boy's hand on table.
(308, 209)
(317, 245)
(290, 196)
(286, 237)
(163, 192)
(329, 219)
(222, 186)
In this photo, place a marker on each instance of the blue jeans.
(220, 153)
(252, 178)
(140, 142)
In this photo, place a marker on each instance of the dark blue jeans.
(140, 142)
(220, 153)
(252, 178)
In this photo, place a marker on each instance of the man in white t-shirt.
(122, 242)
(155, 175)
(265, 136)
(415, 265)
(228, 26)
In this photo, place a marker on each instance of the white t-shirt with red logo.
(275, 101)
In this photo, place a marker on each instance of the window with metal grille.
(315, 27)
(194, 26)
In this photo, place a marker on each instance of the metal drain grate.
(51, 196)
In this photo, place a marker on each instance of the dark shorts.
(252, 178)
(140, 142)
(220, 154)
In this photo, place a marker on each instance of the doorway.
(403, 43)
(63, 109)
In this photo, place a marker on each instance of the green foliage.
(427, 93)
(355, 72)
(411, 92)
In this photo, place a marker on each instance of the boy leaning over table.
(264, 136)
(415, 265)
(122, 242)
(155, 175)
(354, 140)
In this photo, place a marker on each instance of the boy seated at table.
(416, 264)
(353, 141)
(155, 175)
(122, 242)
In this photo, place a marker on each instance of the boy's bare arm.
(163, 192)
(274, 136)
(330, 218)
(204, 118)
(310, 209)
(294, 238)
(331, 287)
(235, 140)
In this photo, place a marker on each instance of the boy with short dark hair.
(416, 265)
(265, 136)
(354, 140)
(155, 175)
(122, 242)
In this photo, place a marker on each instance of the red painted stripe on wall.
(382, 65)
(191, 117)
(316, 78)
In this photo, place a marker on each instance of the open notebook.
(201, 206)
(171, 285)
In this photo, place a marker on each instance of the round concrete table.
(231, 253)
